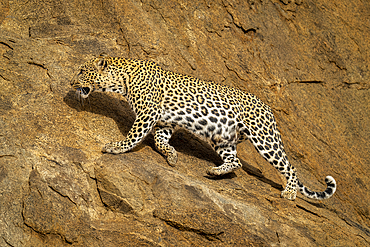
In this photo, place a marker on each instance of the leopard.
(221, 115)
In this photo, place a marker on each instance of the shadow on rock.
(120, 111)
(105, 105)
(251, 170)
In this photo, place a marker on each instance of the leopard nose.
(85, 90)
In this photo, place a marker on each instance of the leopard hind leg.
(227, 152)
(271, 148)
(267, 142)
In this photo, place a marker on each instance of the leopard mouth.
(83, 92)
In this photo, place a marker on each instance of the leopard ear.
(101, 63)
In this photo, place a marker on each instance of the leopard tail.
(330, 189)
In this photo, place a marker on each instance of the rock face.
(309, 60)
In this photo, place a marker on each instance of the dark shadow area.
(221, 177)
(186, 142)
(251, 170)
(105, 105)
(120, 111)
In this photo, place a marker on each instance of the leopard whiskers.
(79, 97)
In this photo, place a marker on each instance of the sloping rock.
(307, 59)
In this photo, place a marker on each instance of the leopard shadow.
(120, 111)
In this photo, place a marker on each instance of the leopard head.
(91, 76)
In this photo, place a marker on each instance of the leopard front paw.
(113, 148)
(172, 159)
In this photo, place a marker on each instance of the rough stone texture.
(308, 59)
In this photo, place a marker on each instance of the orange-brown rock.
(308, 59)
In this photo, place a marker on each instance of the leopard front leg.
(228, 155)
(143, 124)
(161, 138)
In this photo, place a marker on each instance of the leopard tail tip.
(331, 186)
